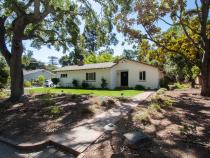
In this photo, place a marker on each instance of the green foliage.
(130, 54)
(99, 58)
(85, 85)
(4, 73)
(195, 72)
(161, 91)
(67, 59)
(164, 82)
(27, 83)
(75, 83)
(188, 130)
(55, 110)
(55, 81)
(41, 80)
(142, 117)
(103, 83)
(3, 94)
(139, 87)
(178, 85)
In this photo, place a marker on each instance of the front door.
(124, 78)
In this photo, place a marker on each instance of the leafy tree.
(27, 59)
(50, 67)
(47, 22)
(53, 60)
(41, 80)
(55, 81)
(67, 59)
(194, 24)
(4, 73)
(130, 54)
(35, 64)
(98, 58)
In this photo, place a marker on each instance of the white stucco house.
(124, 73)
(34, 74)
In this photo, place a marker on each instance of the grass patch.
(95, 92)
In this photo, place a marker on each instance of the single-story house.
(124, 73)
(34, 74)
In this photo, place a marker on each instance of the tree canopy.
(140, 20)
(51, 23)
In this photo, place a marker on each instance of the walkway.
(82, 136)
(10, 152)
(79, 138)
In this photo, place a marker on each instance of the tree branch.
(185, 30)
(36, 7)
(161, 45)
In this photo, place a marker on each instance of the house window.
(63, 75)
(91, 76)
(142, 76)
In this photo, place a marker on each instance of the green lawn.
(98, 92)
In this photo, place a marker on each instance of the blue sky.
(43, 53)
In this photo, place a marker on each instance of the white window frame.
(91, 76)
(64, 75)
(142, 76)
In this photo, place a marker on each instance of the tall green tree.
(140, 19)
(46, 22)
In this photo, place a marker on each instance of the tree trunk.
(16, 71)
(205, 71)
(16, 74)
(205, 79)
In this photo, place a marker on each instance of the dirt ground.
(181, 131)
(36, 117)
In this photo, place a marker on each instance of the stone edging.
(37, 146)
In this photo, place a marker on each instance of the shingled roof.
(86, 66)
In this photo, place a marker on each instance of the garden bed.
(178, 122)
(39, 116)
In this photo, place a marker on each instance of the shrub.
(161, 91)
(164, 82)
(103, 83)
(54, 110)
(86, 112)
(85, 85)
(108, 103)
(75, 83)
(142, 117)
(181, 86)
(55, 81)
(41, 80)
(27, 83)
(139, 87)
(3, 94)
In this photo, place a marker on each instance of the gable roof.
(87, 66)
(25, 72)
(95, 66)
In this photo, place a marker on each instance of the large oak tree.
(142, 19)
(56, 23)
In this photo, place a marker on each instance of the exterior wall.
(80, 75)
(153, 74)
(35, 75)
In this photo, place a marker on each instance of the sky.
(43, 53)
